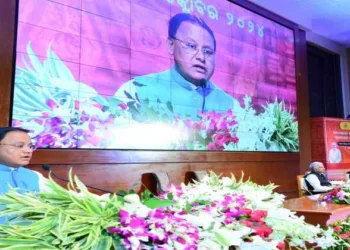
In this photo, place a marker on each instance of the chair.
(301, 185)
(196, 175)
(199, 175)
(162, 179)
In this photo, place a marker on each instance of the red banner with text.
(331, 145)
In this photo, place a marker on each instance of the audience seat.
(301, 185)
(198, 175)
(162, 179)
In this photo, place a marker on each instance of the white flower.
(133, 205)
(132, 198)
(327, 240)
(138, 209)
(258, 243)
(209, 244)
(284, 223)
(135, 242)
(203, 220)
(103, 197)
(229, 237)
(226, 181)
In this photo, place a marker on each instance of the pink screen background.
(106, 43)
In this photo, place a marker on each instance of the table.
(316, 214)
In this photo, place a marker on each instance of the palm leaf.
(59, 219)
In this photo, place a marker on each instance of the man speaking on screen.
(184, 90)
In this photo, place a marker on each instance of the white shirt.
(43, 182)
(316, 184)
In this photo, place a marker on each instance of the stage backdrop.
(331, 145)
(82, 67)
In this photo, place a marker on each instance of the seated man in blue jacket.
(16, 150)
(316, 182)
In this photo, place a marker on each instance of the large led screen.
(154, 74)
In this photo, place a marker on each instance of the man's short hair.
(175, 22)
(5, 130)
(314, 164)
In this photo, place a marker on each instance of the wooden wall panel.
(114, 177)
(318, 146)
(56, 156)
(303, 100)
(7, 38)
(121, 169)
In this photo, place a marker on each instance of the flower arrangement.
(64, 113)
(59, 219)
(216, 213)
(338, 195)
(157, 229)
(213, 131)
(48, 103)
(263, 223)
(341, 232)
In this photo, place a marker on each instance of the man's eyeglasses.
(21, 146)
(192, 48)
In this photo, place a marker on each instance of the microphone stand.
(47, 168)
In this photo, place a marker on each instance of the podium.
(316, 214)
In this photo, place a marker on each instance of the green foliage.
(59, 219)
(345, 198)
(146, 111)
(109, 104)
(285, 136)
(274, 129)
(151, 201)
(155, 203)
(38, 82)
(146, 195)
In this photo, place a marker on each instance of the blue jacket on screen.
(187, 99)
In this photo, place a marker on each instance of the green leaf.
(61, 219)
(113, 104)
(146, 195)
(155, 203)
(58, 67)
(122, 192)
(100, 100)
(105, 242)
(170, 106)
(116, 243)
(170, 196)
(188, 207)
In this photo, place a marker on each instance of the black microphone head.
(46, 167)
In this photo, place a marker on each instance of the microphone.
(47, 168)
